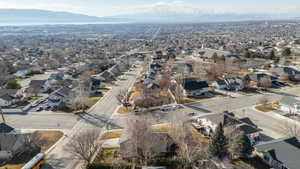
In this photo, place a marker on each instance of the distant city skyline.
(119, 7)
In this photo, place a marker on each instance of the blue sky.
(116, 7)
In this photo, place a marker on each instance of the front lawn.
(106, 84)
(124, 110)
(33, 98)
(111, 134)
(267, 107)
(92, 100)
(50, 138)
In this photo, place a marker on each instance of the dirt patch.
(92, 100)
(161, 128)
(50, 137)
(12, 166)
(111, 134)
(124, 110)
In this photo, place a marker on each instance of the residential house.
(57, 97)
(92, 85)
(21, 73)
(105, 76)
(195, 88)
(8, 96)
(155, 67)
(281, 153)
(11, 142)
(115, 71)
(289, 104)
(293, 74)
(38, 86)
(256, 78)
(229, 84)
(208, 124)
(182, 67)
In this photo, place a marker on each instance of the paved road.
(243, 106)
(98, 117)
(42, 121)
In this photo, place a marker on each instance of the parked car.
(47, 107)
(39, 109)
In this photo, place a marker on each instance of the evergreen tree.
(217, 143)
(287, 52)
(247, 54)
(239, 146)
(272, 55)
(215, 57)
(12, 84)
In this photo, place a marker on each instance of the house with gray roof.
(292, 73)
(8, 96)
(229, 84)
(281, 153)
(115, 71)
(11, 142)
(182, 67)
(210, 122)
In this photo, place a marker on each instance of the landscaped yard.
(267, 107)
(33, 98)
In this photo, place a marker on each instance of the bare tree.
(85, 145)
(264, 100)
(177, 88)
(78, 98)
(292, 130)
(284, 76)
(123, 97)
(190, 150)
(34, 140)
(164, 81)
(144, 144)
(265, 82)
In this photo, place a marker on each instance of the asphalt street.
(97, 118)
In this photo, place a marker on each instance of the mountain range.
(155, 15)
(35, 16)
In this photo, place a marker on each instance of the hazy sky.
(115, 7)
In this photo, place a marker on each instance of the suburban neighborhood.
(150, 96)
